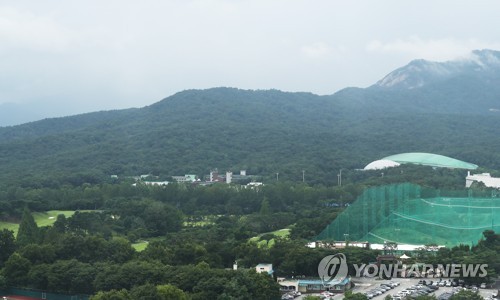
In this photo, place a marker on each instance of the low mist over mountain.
(446, 108)
(466, 86)
(420, 73)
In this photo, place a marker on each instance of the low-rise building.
(253, 185)
(315, 285)
(186, 178)
(264, 268)
(485, 178)
(159, 183)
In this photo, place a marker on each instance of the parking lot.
(365, 285)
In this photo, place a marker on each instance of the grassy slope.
(283, 233)
(140, 246)
(49, 217)
(9, 226)
(41, 218)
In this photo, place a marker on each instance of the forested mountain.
(420, 73)
(271, 131)
(466, 86)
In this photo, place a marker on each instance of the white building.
(185, 178)
(484, 178)
(253, 185)
(381, 164)
(229, 176)
(159, 183)
(214, 175)
(264, 268)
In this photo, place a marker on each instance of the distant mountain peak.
(485, 58)
(420, 72)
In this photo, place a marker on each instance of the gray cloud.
(72, 56)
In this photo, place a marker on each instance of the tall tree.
(146, 292)
(466, 295)
(264, 207)
(28, 232)
(16, 270)
(170, 292)
(112, 295)
(7, 245)
(349, 295)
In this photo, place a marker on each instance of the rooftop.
(429, 159)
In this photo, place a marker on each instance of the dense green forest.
(268, 131)
(194, 234)
(264, 132)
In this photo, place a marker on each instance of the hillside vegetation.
(262, 131)
(269, 131)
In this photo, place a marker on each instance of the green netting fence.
(409, 214)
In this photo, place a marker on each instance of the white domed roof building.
(416, 158)
(381, 164)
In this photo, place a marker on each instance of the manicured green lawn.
(279, 233)
(283, 233)
(41, 218)
(140, 246)
(49, 217)
(9, 226)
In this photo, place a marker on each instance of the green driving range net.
(409, 214)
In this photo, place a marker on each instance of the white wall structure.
(185, 178)
(229, 176)
(160, 183)
(484, 178)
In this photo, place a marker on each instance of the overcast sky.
(68, 57)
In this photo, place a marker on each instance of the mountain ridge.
(420, 72)
(263, 131)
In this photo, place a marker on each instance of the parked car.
(376, 292)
